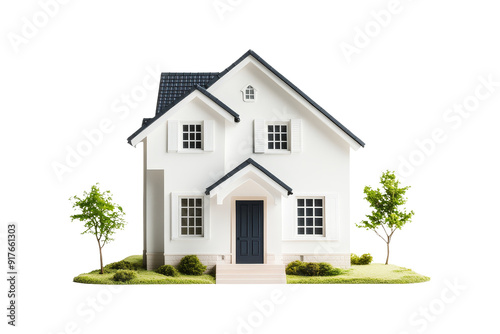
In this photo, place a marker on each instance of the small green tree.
(386, 216)
(100, 215)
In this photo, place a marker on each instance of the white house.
(242, 167)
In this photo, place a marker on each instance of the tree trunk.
(100, 256)
(387, 258)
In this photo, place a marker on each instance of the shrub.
(361, 260)
(124, 275)
(365, 259)
(326, 269)
(293, 268)
(191, 265)
(310, 269)
(125, 265)
(167, 270)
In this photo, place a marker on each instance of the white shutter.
(259, 136)
(296, 135)
(208, 135)
(172, 136)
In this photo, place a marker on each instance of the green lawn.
(375, 273)
(143, 277)
(369, 274)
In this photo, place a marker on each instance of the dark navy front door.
(249, 231)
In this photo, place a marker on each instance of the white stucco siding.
(321, 168)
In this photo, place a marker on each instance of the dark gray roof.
(174, 85)
(291, 85)
(148, 121)
(244, 164)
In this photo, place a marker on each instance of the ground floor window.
(191, 209)
(310, 216)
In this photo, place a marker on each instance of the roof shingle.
(174, 85)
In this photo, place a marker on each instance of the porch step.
(250, 274)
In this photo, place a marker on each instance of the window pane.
(191, 202)
(309, 221)
(309, 230)
(309, 202)
(300, 212)
(198, 127)
(184, 202)
(277, 137)
(191, 136)
(318, 231)
(318, 221)
(198, 230)
(191, 212)
(270, 145)
(198, 202)
(283, 128)
(184, 128)
(191, 144)
(301, 222)
(191, 230)
(184, 212)
(184, 231)
(269, 128)
(198, 222)
(309, 212)
(277, 128)
(185, 136)
(300, 202)
(300, 230)
(318, 211)
(198, 212)
(198, 144)
(185, 144)
(184, 222)
(191, 127)
(283, 137)
(277, 146)
(284, 146)
(191, 221)
(318, 202)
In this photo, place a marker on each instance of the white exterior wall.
(321, 168)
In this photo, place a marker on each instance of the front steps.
(250, 274)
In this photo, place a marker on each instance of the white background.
(74, 70)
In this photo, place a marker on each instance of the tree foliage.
(101, 217)
(386, 216)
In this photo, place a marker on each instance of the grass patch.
(376, 273)
(143, 276)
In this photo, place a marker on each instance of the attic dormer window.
(249, 93)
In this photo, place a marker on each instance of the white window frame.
(305, 216)
(181, 135)
(244, 92)
(331, 217)
(280, 150)
(176, 216)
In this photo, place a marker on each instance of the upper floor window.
(191, 136)
(277, 136)
(249, 93)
